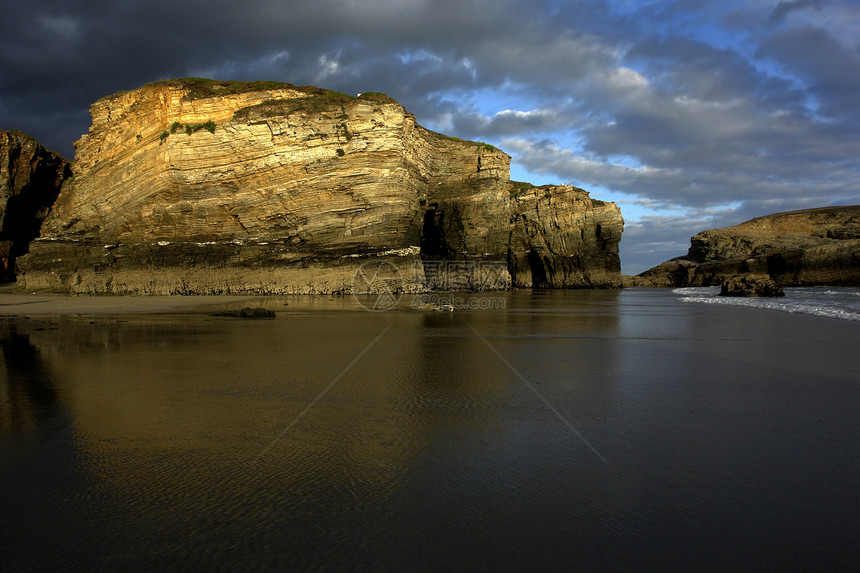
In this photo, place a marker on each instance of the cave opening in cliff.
(776, 265)
(434, 246)
(538, 270)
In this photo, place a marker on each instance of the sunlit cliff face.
(256, 187)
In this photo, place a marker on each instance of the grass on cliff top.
(201, 88)
(517, 188)
(482, 144)
(318, 100)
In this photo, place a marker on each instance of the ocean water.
(528, 431)
(831, 302)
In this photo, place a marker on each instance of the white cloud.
(625, 81)
(328, 66)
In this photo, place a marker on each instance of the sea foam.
(842, 303)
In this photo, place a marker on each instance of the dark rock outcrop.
(30, 180)
(196, 186)
(751, 286)
(797, 248)
(246, 312)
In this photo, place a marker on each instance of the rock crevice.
(30, 180)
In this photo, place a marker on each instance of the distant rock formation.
(197, 186)
(30, 180)
(751, 286)
(797, 248)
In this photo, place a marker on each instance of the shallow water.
(569, 430)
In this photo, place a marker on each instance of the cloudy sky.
(690, 114)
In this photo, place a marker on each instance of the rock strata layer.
(195, 186)
(30, 180)
(563, 239)
(797, 248)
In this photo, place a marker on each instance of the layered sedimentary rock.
(30, 180)
(797, 248)
(196, 186)
(563, 239)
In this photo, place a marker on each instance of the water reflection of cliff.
(565, 341)
(169, 415)
(27, 392)
(210, 391)
(191, 383)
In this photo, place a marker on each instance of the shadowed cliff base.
(197, 186)
(30, 180)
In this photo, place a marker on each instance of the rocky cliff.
(30, 180)
(198, 186)
(563, 239)
(797, 248)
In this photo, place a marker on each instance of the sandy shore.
(49, 304)
(18, 304)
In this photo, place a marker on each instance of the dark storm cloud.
(678, 64)
(708, 112)
(831, 70)
(58, 57)
(782, 9)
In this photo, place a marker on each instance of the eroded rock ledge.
(196, 186)
(797, 248)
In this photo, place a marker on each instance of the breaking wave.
(842, 303)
